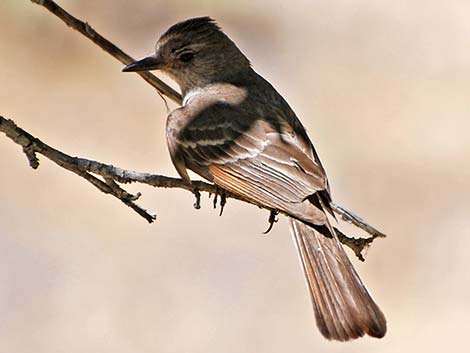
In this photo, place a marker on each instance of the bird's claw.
(197, 195)
(272, 219)
(223, 199)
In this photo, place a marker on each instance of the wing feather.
(247, 156)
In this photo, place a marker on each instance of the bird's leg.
(272, 219)
(197, 195)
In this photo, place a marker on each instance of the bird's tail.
(343, 307)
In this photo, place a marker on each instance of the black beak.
(152, 62)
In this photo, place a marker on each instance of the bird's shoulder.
(210, 110)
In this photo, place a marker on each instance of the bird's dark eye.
(186, 57)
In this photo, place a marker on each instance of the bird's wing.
(248, 157)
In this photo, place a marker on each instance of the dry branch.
(85, 29)
(110, 175)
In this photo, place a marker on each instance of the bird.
(235, 130)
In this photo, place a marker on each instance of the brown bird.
(235, 130)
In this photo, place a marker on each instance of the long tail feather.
(343, 307)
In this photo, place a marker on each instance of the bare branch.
(111, 175)
(32, 145)
(121, 175)
(350, 217)
(88, 169)
(85, 29)
(358, 245)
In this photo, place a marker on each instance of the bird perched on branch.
(235, 130)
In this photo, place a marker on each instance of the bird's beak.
(152, 62)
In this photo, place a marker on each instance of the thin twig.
(85, 29)
(350, 217)
(32, 145)
(358, 245)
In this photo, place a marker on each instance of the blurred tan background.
(384, 90)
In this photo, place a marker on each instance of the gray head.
(195, 53)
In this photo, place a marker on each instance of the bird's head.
(194, 53)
